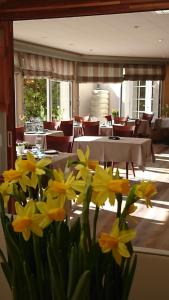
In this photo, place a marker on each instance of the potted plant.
(115, 113)
(52, 257)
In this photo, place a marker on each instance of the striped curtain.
(33, 65)
(62, 69)
(144, 72)
(99, 72)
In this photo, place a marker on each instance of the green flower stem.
(86, 236)
(40, 189)
(95, 223)
(39, 265)
(131, 198)
(119, 203)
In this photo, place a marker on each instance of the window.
(46, 98)
(140, 96)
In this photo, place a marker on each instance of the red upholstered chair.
(51, 125)
(81, 119)
(148, 117)
(19, 133)
(109, 118)
(91, 128)
(67, 127)
(60, 143)
(121, 120)
(126, 131)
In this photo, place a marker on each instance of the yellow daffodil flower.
(116, 240)
(33, 166)
(6, 191)
(26, 220)
(16, 176)
(60, 187)
(51, 211)
(145, 190)
(85, 164)
(106, 187)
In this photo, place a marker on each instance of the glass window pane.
(142, 92)
(142, 82)
(35, 98)
(141, 105)
(56, 111)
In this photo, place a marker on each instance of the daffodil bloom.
(145, 190)
(85, 164)
(16, 176)
(106, 187)
(26, 220)
(60, 187)
(116, 240)
(6, 191)
(32, 166)
(51, 211)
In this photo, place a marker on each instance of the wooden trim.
(17, 10)
(7, 95)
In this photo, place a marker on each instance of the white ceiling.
(143, 34)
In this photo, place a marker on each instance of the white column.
(19, 99)
(49, 99)
(65, 101)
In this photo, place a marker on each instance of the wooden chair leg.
(127, 170)
(152, 153)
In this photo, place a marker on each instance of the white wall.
(85, 94)
(114, 94)
(64, 99)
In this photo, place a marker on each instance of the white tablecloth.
(40, 138)
(137, 150)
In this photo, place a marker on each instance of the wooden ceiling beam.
(34, 9)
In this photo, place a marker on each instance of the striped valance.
(144, 72)
(33, 65)
(99, 72)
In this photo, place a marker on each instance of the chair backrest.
(137, 125)
(60, 143)
(81, 119)
(19, 133)
(49, 125)
(67, 127)
(91, 128)
(148, 117)
(121, 120)
(108, 118)
(125, 130)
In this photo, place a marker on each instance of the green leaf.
(128, 277)
(83, 287)
(75, 231)
(73, 271)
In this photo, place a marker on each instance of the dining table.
(106, 149)
(39, 137)
(60, 159)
